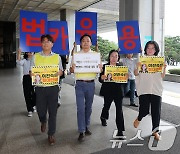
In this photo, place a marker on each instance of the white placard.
(87, 62)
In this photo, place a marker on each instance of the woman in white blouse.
(149, 88)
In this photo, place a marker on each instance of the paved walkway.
(20, 134)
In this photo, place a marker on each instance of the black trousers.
(29, 93)
(108, 99)
(47, 101)
(147, 100)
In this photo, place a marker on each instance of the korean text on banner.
(87, 62)
(59, 31)
(151, 64)
(45, 75)
(86, 23)
(116, 74)
(32, 26)
(128, 37)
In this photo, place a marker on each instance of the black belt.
(86, 80)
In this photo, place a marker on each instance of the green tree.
(104, 46)
(172, 49)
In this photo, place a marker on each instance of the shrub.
(174, 71)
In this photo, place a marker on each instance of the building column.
(69, 16)
(150, 14)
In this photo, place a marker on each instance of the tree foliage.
(104, 46)
(172, 49)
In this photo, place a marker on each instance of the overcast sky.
(172, 21)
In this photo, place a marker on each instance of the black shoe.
(81, 137)
(136, 94)
(134, 105)
(58, 105)
(87, 132)
(120, 135)
(103, 122)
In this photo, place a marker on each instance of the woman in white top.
(28, 89)
(149, 88)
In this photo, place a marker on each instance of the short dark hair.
(111, 53)
(85, 36)
(49, 37)
(25, 55)
(156, 46)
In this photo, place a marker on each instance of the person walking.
(47, 96)
(84, 89)
(149, 88)
(112, 91)
(28, 89)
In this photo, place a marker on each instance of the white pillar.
(69, 16)
(150, 15)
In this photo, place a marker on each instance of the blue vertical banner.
(59, 31)
(32, 26)
(86, 23)
(128, 37)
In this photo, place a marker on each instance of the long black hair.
(156, 46)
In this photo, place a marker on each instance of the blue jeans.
(131, 87)
(84, 99)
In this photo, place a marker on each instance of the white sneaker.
(30, 114)
(34, 109)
